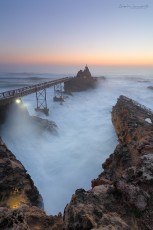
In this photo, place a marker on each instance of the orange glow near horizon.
(61, 33)
(105, 60)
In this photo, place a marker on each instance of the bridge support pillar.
(58, 93)
(41, 102)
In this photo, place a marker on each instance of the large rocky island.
(121, 198)
(82, 81)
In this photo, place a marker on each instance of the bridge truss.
(8, 97)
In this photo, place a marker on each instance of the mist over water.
(60, 164)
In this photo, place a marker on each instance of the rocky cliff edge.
(121, 198)
(122, 195)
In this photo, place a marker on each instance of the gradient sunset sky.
(37, 34)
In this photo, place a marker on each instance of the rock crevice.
(121, 196)
(119, 199)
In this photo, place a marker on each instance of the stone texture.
(28, 218)
(16, 186)
(21, 205)
(120, 198)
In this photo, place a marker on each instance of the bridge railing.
(36, 87)
(7, 96)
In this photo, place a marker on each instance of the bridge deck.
(8, 96)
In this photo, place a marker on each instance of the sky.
(52, 34)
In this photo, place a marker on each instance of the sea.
(68, 160)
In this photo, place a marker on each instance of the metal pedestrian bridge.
(10, 96)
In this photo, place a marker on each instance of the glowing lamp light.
(18, 101)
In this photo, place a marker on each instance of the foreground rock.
(21, 205)
(121, 197)
(28, 218)
(16, 186)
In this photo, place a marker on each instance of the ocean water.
(60, 164)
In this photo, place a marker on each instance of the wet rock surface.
(43, 124)
(19, 112)
(21, 205)
(121, 198)
(16, 186)
(28, 218)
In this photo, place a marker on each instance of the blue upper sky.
(50, 33)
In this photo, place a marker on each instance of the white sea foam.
(61, 164)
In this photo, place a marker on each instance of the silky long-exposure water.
(59, 164)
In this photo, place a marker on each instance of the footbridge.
(10, 96)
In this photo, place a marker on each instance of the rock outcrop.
(43, 124)
(28, 218)
(86, 73)
(3, 113)
(81, 82)
(16, 186)
(21, 205)
(19, 111)
(121, 197)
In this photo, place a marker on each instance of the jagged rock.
(120, 198)
(122, 194)
(16, 186)
(94, 209)
(20, 202)
(147, 167)
(81, 82)
(133, 194)
(43, 124)
(28, 218)
(86, 73)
